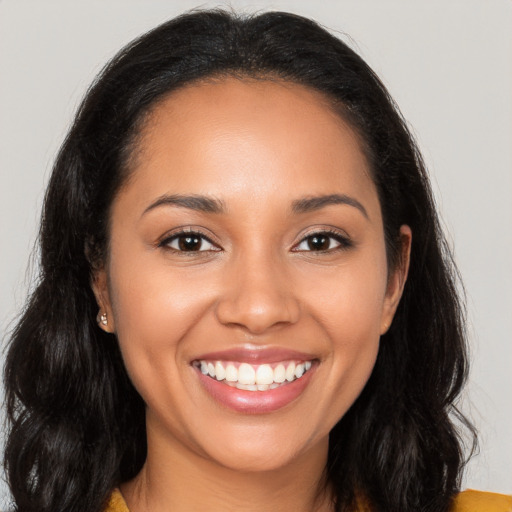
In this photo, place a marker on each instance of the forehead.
(232, 138)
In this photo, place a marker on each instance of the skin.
(257, 146)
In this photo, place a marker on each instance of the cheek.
(350, 301)
(155, 311)
(353, 332)
(349, 310)
(153, 308)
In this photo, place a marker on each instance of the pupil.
(318, 243)
(189, 243)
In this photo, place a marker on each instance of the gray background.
(447, 63)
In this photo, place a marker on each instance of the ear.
(99, 285)
(397, 279)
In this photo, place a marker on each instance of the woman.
(245, 298)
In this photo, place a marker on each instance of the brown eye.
(189, 242)
(323, 242)
(318, 242)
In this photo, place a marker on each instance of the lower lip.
(255, 402)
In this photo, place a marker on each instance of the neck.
(175, 479)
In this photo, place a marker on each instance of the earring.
(103, 319)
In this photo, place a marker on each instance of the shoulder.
(478, 501)
(466, 501)
(116, 503)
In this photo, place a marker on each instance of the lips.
(255, 381)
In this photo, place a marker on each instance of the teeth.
(254, 377)
(279, 374)
(231, 373)
(220, 372)
(264, 374)
(246, 374)
(290, 372)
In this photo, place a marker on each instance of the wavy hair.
(77, 426)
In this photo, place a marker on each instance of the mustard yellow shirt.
(466, 501)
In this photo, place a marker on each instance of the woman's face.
(247, 280)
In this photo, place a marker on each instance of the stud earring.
(104, 319)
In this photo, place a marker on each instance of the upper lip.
(256, 355)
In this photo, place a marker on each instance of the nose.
(258, 296)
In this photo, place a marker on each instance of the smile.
(255, 381)
(253, 377)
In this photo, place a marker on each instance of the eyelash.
(166, 242)
(343, 242)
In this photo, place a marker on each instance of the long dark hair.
(77, 423)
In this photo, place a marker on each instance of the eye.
(323, 241)
(189, 242)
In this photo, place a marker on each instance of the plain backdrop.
(447, 63)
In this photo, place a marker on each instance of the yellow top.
(466, 501)
(477, 501)
(116, 503)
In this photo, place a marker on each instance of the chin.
(255, 461)
(262, 449)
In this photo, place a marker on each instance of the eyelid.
(165, 240)
(344, 241)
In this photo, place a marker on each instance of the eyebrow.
(310, 204)
(212, 205)
(192, 202)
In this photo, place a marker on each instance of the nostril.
(257, 314)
